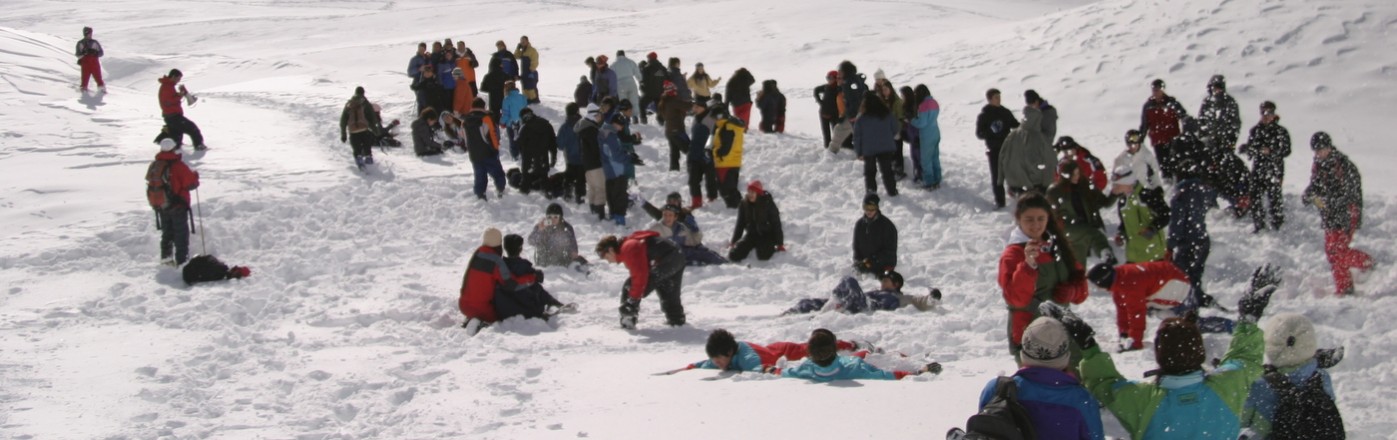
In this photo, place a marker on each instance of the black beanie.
(1102, 275)
(553, 209)
(871, 199)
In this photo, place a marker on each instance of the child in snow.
(538, 144)
(529, 299)
(772, 104)
(1336, 189)
(1037, 266)
(172, 108)
(826, 365)
(514, 102)
(727, 154)
(848, 297)
(553, 239)
(424, 143)
(1294, 359)
(485, 274)
(1138, 288)
(655, 265)
(359, 125)
(928, 138)
(483, 143)
(1056, 402)
(615, 158)
(1080, 206)
(728, 354)
(875, 239)
(1143, 212)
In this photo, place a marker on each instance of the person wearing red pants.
(1137, 287)
(88, 53)
(726, 353)
(1336, 189)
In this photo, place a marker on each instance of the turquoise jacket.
(1189, 406)
(513, 103)
(746, 359)
(843, 368)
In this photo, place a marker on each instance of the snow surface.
(347, 327)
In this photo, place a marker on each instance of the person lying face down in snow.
(848, 297)
(826, 365)
(726, 353)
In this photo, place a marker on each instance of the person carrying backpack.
(1295, 398)
(360, 123)
(168, 181)
(1055, 401)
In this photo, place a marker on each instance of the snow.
(348, 326)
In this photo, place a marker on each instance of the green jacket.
(1136, 215)
(1190, 406)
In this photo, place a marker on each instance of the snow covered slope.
(346, 328)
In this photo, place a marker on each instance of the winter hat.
(87, 30)
(1290, 340)
(892, 275)
(652, 56)
(1157, 84)
(492, 238)
(756, 187)
(822, 347)
(1102, 275)
(553, 209)
(1268, 108)
(670, 89)
(359, 91)
(1321, 140)
(1218, 81)
(1045, 344)
(513, 245)
(239, 272)
(832, 74)
(1124, 176)
(871, 200)
(167, 144)
(878, 75)
(1178, 347)
(592, 109)
(174, 73)
(1064, 143)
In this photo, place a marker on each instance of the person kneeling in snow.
(726, 353)
(848, 297)
(529, 299)
(826, 365)
(758, 226)
(690, 240)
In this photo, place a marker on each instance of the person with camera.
(88, 53)
(1037, 266)
(554, 241)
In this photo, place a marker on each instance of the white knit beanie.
(1045, 344)
(1290, 340)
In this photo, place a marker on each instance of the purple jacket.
(1058, 404)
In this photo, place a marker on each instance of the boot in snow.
(698, 203)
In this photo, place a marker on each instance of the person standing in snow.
(875, 239)
(679, 79)
(430, 93)
(655, 265)
(1026, 161)
(1095, 174)
(673, 108)
(1162, 119)
(483, 144)
(1079, 206)
(993, 126)
(503, 67)
(852, 88)
(514, 102)
(927, 139)
(772, 104)
(419, 63)
(89, 52)
(527, 57)
(701, 84)
(1296, 363)
(627, 81)
(446, 75)
(727, 154)
(553, 239)
(172, 109)
(700, 158)
(1268, 145)
(758, 226)
(1057, 404)
(739, 95)
(848, 297)
(538, 145)
(827, 95)
(874, 144)
(575, 180)
(652, 83)
(1037, 266)
(1336, 189)
(1219, 116)
(1049, 125)
(886, 92)
(359, 125)
(589, 139)
(615, 157)
(1141, 206)
(1184, 401)
(604, 85)
(466, 61)
(174, 216)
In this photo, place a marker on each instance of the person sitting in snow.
(1296, 365)
(690, 240)
(758, 226)
(673, 199)
(726, 353)
(424, 143)
(553, 239)
(485, 274)
(875, 239)
(848, 297)
(529, 299)
(825, 364)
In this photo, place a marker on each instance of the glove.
(1329, 357)
(640, 198)
(343, 138)
(630, 307)
(1080, 331)
(1264, 282)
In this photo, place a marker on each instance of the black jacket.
(739, 88)
(537, 138)
(1220, 119)
(1337, 183)
(652, 79)
(828, 97)
(587, 131)
(876, 241)
(477, 124)
(759, 220)
(1275, 138)
(494, 75)
(994, 124)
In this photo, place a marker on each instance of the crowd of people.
(1057, 187)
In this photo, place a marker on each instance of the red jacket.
(1091, 167)
(485, 272)
(1019, 283)
(1161, 283)
(182, 179)
(635, 255)
(170, 100)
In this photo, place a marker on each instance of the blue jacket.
(1261, 401)
(1056, 402)
(514, 101)
(613, 155)
(604, 85)
(444, 69)
(746, 359)
(567, 142)
(414, 66)
(874, 136)
(928, 130)
(843, 368)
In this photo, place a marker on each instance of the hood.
(1017, 236)
(1032, 118)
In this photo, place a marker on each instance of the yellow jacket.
(703, 88)
(532, 53)
(727, 143)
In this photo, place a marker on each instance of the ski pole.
(203, 246)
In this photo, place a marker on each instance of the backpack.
(1304, 411)
(158, 191)
(1003, 418)
(357, 121)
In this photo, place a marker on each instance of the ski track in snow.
(347, 327)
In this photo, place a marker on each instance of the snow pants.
(678, 145)
(727, 186)
(701, 176)
(743, 112)
(764, 245)
(575, 183)
(596, 186)
(701, 256)
(1342, 259)
(995, 187)
(1191, 257)
(826, 124)
(843, 131)
(666, 279)
(1131, 307)
(489, 168)
(930, 160)
(174, 233)
(179, 126)
(1266, 187)
(616, 198)
(528, 301)
(91, 67)
(872, 165)
(362, 143)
